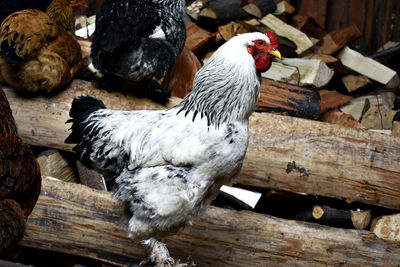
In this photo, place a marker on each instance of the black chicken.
(138, 41)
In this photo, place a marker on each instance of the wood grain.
(284, 153)
(75, 219)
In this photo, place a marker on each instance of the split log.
(260, 8)
(284, 7)
(354, 82)
(369, 67)
(193, 10)
(338, 117)
(387, 227)
(232, 29)
(75, 219)
(332, 63)
(365, 166)
(197, 38)
(282, 73)
(52, 163)
(309, 26)
(396, 128)
(282, 29)
(179, 79)
(302, 102)
(332, 99)
(313, 72)
(334, 41)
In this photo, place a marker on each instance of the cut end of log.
(252, 9)
(317, 212)
(360, 219)
(208, 13)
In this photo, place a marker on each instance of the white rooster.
(169, 165)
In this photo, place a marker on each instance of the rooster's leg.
(158, 254)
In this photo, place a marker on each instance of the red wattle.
(263, 63)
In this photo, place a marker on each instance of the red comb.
(273, 40)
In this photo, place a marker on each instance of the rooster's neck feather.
(226, 88)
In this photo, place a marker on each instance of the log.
(313, 72)
(331, 99)
(260, 8)
(327, 215)
(179, 79)
(282, 29)
(364, 165)
(334, 41)
(52, 163)
(91, 224)
(302, 102)
(284, 7)
(309, 26)
(354, 82)
(332, 63)
(197, 38)
(338, 117)
(387, 227)
(368, 67)
(193, 10)
(282, 73)
(230, 30)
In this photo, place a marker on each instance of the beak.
(275, 53)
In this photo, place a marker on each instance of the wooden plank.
(365, 166)
(91, 224)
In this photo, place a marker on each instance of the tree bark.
(284, 153)
(75, 219)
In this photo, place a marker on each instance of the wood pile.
(324, 148)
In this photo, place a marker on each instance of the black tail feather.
(81, 108)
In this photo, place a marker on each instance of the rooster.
(37, 49)
(169, 165)
(20, 180)
(138, 41)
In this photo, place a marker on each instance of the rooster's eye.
(260, 42)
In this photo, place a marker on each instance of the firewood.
(232, 29)
(179, 79)
(260, 8)
(332, 63)
(309, 26)
(368, 67)
(354, 82)
(378, 117)
(387, 227)
(284, 7)
(340, 118)
(282, 73)
(90, 177)
(326, 157)
(78, 220)
(52, 163)
(312, 71)
(281, 28)
(286, 98)
(327, 215)
(334, 41)
(331, 99)
(193, 10)
(224, 10)
(396, 128)
(197, 37)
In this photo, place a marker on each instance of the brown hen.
(37, 49)
(20, 180)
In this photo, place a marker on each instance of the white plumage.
(170, 164)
